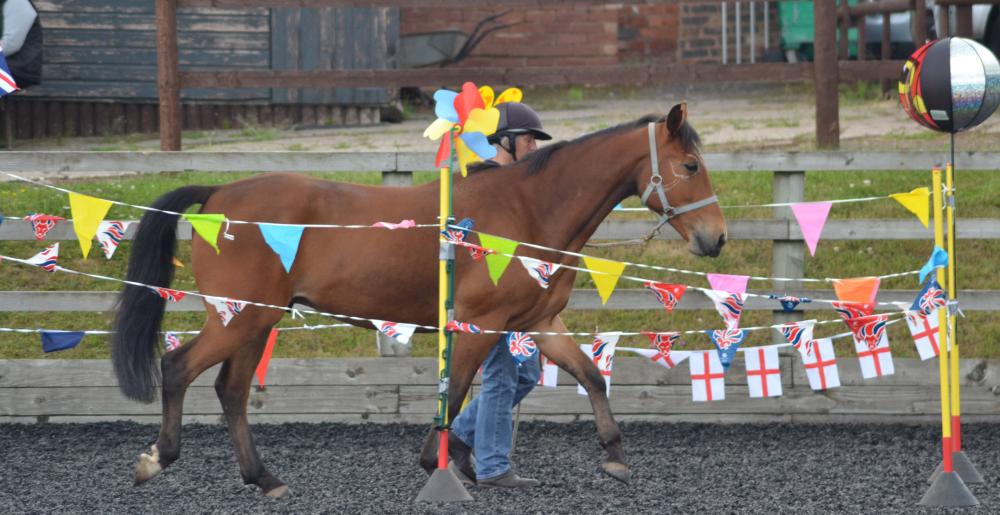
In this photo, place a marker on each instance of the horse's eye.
(691, 167)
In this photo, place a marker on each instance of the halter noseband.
(656, 183)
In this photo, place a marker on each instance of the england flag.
(550, 373)
(876, 361)
(924, 329)
(821, 365)
(707, 382)
(763, 372)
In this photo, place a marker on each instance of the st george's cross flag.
(7, 84)
(396, 330)
(602, 353)
(924, 329)
(763, 371)
(876, 361)
(707, 383)
(821, 365)
(550, 373)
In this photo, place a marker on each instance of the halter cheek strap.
(656, 184)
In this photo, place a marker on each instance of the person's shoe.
(461, 456)
(508, 480)
(466, 480)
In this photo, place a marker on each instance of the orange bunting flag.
(860, 289)
(265, 360)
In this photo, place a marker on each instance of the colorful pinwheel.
(473, 117)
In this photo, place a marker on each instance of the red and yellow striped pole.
(956, 403)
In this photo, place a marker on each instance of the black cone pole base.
(963, 466)
(443, 486)
(948, 490)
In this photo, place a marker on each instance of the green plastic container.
(796, 19)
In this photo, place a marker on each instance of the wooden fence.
(402, 389)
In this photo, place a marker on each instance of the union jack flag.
(47, 259)
(171, 295)
(870, 329)
(463, 327)
(7, 84)
(110, 235)
(664, 342)
(799, 334)
(668, 294)
(930, 298)
(540, 271)
(41, 224)
(457, 233)
(521, 346)
(171, 341)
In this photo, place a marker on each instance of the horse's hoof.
(618, 471)
(147, 467)
(277, 492)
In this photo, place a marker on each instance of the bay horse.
(555, 197)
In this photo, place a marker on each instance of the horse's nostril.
(722, 240)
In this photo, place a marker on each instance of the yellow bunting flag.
(605, 274)
(860, 289)
(207, 226)
(88, 213)
(917, 202)
(497, 263)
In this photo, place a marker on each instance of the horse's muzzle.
(708, 245)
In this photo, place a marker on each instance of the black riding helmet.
(517, 118)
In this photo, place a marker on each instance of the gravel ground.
(339, 468)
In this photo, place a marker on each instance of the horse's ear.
(676, 118)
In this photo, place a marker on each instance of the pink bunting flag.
(41, 223)
(729, 283)
(405, 224)
(811, 217)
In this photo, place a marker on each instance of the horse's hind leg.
(233, 389)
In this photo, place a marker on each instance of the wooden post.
(843, 26)
(963, 21)
(389, 347)
(944, 21)
(826, 75)
(888, 85)
(862, 39)
(919, 26)
(788, 254)
(167, 76)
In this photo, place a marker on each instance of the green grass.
(977, 333)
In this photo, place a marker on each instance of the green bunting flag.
(497, 263)
(207, 226)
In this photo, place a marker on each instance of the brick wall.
(700, 33)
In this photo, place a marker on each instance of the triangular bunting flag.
(707, 383)
(800, 335)
(457, 233)
(226, 308)
(811, 217)
(605, 274)
(860, 289)
(265, 359)
(477, 252)
(916, 202)
(550, 373)
(870, 330)
(497, 262)
(522, 347)
(668, 294)
(729, 283)
(727, 342)
(60, 340)
(602, 352)
(876, 361)
(852, 311)
(541, 271)
(925, 331)
(110, 235)
(168, 294)
(939, 258)
(284, 241)
(463, 327)
(670, 361)
(789, 303)
(171, 341)
(664, 342)
(396, 330)
(821, 366)
(405, 224)
(47, 259)
(930, 297)
(41, 224)
(207, 225)
(729, 306)
(88, 212)
(763, 371)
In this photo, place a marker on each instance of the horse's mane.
(537, 160)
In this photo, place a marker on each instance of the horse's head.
(676, 175)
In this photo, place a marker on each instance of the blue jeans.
(486, 424)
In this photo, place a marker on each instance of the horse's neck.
(565, 202)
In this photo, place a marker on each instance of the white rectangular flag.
(707, 382)
(875, 362)
(821, 365)
(925, 333)
(550, 373)
(763, 371)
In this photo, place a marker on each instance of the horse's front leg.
(565, 352)
(468, 353)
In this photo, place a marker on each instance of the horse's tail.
(135, 342)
